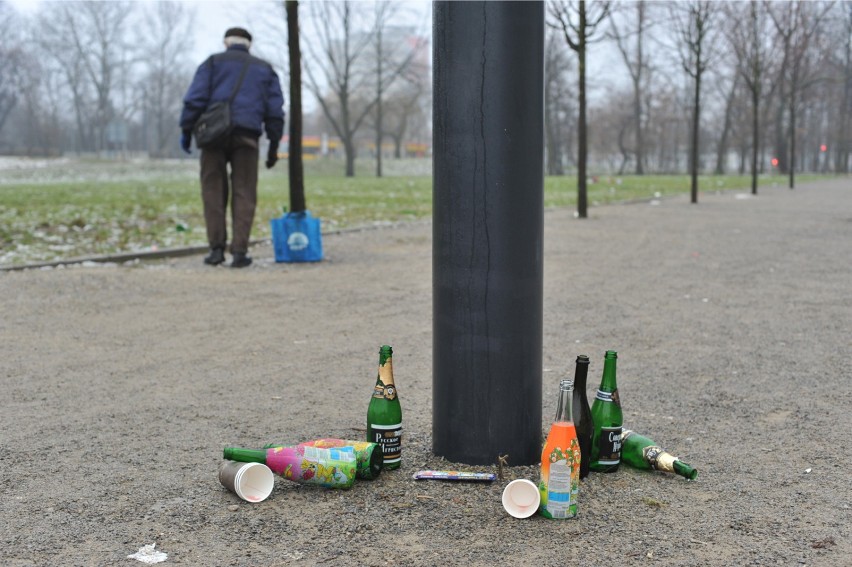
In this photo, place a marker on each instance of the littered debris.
(147, 554)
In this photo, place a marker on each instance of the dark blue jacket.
(259, 101)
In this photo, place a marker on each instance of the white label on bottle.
(318, 454)
(390, 439)
(559, 489)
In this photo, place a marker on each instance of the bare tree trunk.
(694, 24)
(792, 163)
(693, 150)
(722, 147)
(636, 68)
(755, 137)
(583, 30)
(841, 159)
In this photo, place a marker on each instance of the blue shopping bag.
(296, 237)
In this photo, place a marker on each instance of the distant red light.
(823, 148)
(775, 162)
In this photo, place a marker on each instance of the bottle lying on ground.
(368, 456)
(332, 468)
(642, 453)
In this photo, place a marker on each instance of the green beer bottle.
(642, 453)
(384, 414)
(606, 414)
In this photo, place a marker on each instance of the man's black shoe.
(241, 260)
(216, 257)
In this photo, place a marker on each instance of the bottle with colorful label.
(384, 414)
(367, 455)
(560, 461)
(608, 420)
(332, 468)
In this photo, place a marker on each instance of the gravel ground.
(733, 323)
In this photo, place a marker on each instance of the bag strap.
(239, 82)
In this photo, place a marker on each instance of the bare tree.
(694, 24)
(579, 25)
(558, 109)
(89, 42)
(747, 38)
(392, 59)
(730, 105)
(166, 38)
(844, 137)
(334, 76)
(636, 61)
(404, 109)
(11, 62)
(796, 24)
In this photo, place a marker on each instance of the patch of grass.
(65, 208)
(653, 502)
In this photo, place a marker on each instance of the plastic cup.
(253, 482)
(521, 498)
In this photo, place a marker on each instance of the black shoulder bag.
(214, 126)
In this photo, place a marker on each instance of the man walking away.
(258, 103)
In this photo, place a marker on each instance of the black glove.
(272, 156)
(185, 139)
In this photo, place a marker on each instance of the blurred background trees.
(107, 78)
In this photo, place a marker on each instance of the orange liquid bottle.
(560, 461)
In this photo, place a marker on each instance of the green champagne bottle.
(384, 414)
(606, 414)
(642, 453)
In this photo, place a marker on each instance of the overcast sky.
(213, 17)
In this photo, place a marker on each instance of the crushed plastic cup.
(521, 498)
(253, 482)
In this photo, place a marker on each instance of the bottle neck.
(386, 372)
(581, 371)
(608, 383)
(385, 365)
(245, 455)
(685, 470)
(564, 410)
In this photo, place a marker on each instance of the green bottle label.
(389, 437)
(609, 446)
(609, 397)
(385, 392)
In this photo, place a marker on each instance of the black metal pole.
(488, 215)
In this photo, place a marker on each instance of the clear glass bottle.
(560, 461)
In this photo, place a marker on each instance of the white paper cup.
(521, 498)
(253, 482)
